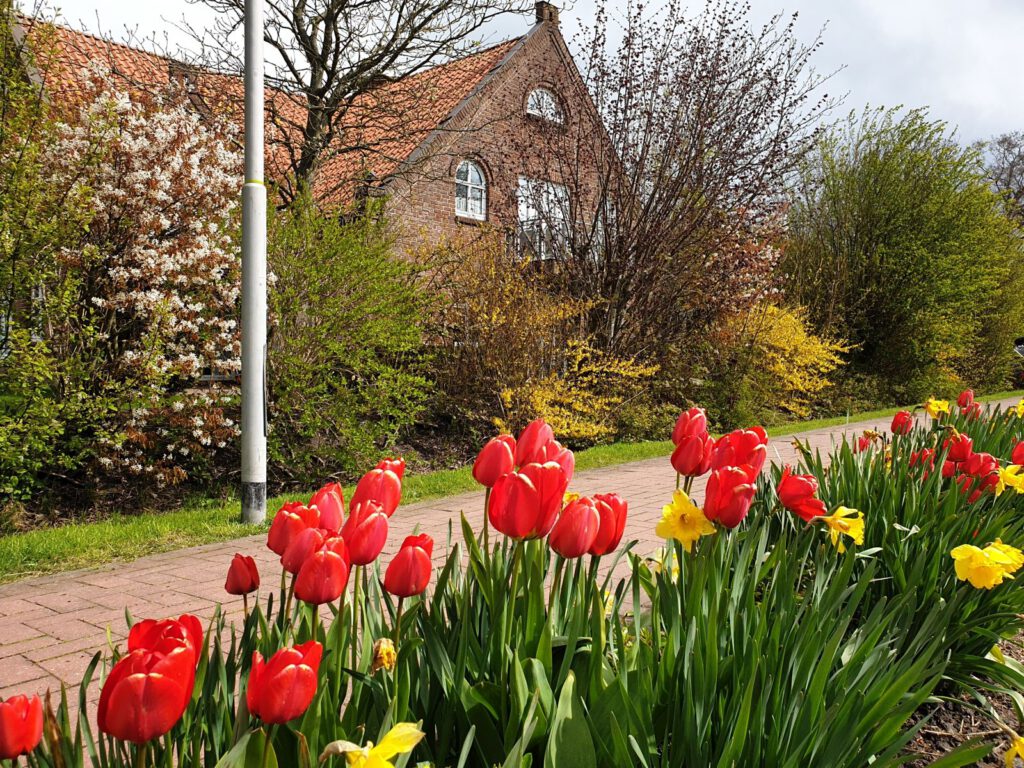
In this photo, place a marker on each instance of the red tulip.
(408, 572)
(324, 575)
(21, 726)
(243, 576)
(691, 423)
(562, 456)
(1017, 457)
(902, 423)
(301, 548)
(283, 687)
(966, 399)
(973, 411)
(948, 469)
(743, 446)
(393, 465)
(612, 509)
(382, 486)
(524, 504)
(980, 465)
(925, 458)
(330, 502)
(532, 443)
(576, 528)
(959, 447)
(290, 519)
(495, 459)
(153, 635)
(729, 494)
(692, 456)
(365, 533)
(797, 494)
(146, 693)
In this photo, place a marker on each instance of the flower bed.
(798, 617)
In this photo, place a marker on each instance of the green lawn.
(203, 521)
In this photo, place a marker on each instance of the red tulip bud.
(243, 576)
(612, 509)
(397, 466)
(729, 494)
(691, 423)
(365, 532)
(959, 447)
(562, 456)
(153, 635)
(146, 693)
(532, 443)
(330, 502)
(292, 518)
(966, 399)
(692, 456)
(524, 504)
(576, 528)
(743, 446)
(902, 423)
(380, 485)
(496, 458)
(302, 547)
(797, 494)
(409, 571)
(282, 688)
(21, 726)
(1017, 457)
(324, 575)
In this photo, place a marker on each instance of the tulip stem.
(559, 566)
(398, 620)
(678, 477)
(245, 607)
(141, 753)
(487, 499)
(355, 616)
(514, 588)
(340, 650)
(268, 747)
(287, 630)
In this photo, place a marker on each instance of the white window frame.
(543, 103)
(544, 215)
(470, 193)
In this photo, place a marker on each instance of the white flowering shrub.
(130, 338)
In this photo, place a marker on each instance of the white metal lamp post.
(254, 279)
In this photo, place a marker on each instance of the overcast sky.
(959, 58)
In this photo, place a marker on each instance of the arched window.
(544, 104)
(470, 191)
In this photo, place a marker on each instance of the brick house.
(480, 141)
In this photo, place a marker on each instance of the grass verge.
(127, 537)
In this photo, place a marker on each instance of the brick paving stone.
(50, 626)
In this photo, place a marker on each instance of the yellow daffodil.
(402, 738)
(1015, 556)
(1010, 477)
(934, 407)
(384, 655)
(1016, 750)
(986, 568)
(1019, 409)
(845, 521)
(683, 521)
(569, 498)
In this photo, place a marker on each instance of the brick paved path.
(51, 626)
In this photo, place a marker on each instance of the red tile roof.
(379, 132)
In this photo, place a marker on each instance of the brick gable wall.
(493, 129)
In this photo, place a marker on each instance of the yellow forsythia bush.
(581, 401)
(790, 364)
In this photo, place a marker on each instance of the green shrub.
(346, 369)
(899, 245)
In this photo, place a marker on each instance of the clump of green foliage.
(346, 364)
(899, 245)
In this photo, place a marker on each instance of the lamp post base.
(254, 503)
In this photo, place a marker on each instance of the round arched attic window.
(544, 104)
(470, 191)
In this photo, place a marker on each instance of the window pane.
(462, 174)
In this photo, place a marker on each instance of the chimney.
(546, 12)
